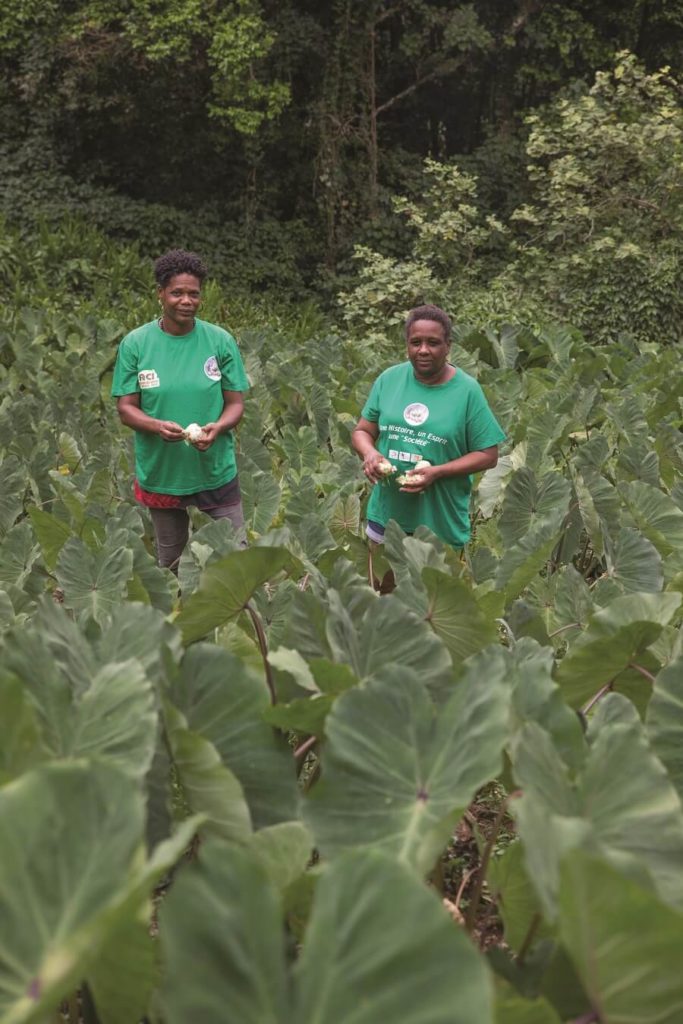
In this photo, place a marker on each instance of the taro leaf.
(664, 721)
(389, 634)
(290, 661)
(71, 833)
(599, 508)
(523, 560)
(634, 563)
(93, 581)
(637, 824)
(530, 503)
(222, 937)
(306, 716)
(455, 616)
(114, 720)
(655, 514)
(227, 585)
(260, 499)
(223, 701)
(21, 744)
(625, 943)
(14, 481)
(361, 963)
(143, 633)
(412, 768)
(18, 552)
(126, 971)
(314, 536)
(492, 486)
(284, 850)
(52, 534)
(345, 517)
(208, 786)
(616, 636)
(514, 895)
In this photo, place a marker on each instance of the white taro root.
(385, 468)
(413, 476)
(422, 464)
(193, 433)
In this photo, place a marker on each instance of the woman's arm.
(363, 439)
(233, 410)
(131, 415)
(473, 462)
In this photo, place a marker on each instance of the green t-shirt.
(438, 423)
(180, 379)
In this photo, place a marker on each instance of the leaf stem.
(571, 625)
(643, 671)
(304, 747)
(483, 866)
(529, 938)
(263, 645)
(598, 696)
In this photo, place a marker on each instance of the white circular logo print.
(212, 369)
(415, 414)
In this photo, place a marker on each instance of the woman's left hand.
(426, 478)
(211, 432)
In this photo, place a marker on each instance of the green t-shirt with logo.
(438, 423)
(180, 379)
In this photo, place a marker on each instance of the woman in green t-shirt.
(174, 373)
(425, 410)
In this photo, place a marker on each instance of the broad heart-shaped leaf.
(634, 563)
(260, 499)
(225, 587)
(52, 534)
(70, 834)
(512, 1008)
(523, 560)
(223, 701)
(664, 721)
(625, 943)
(222, 936)
(410, 768)
(14, 481)
(18, 552)
(209, 788)
(284, 850)
(126, 971)
(599, 507)
(387, 634)
(21, 745)
(362, 962)
(655, 514)
(614, 638)
(529, 503)
(93, 581)
(455, 616)
(637, 824)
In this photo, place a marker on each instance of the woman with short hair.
(173, 373)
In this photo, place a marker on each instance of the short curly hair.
(434, 313)
(178, 261)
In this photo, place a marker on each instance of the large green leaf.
(514, 1009)
(126, 970)
(227, 585)
(18, 552)
(625, 944)
(455, 616)
(221, 933)
(523, 560)
(514, 895)
(616, 636)
(223, 701)
(52, 534)
(93, 581)
(637, 824)
(411, 768)
(665, 721)
(21, 745)
(634, 563)
(71, 833)
(260, 499)
(361, 963)
(529, 503)
(655, 514)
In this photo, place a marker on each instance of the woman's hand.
(424, 479)
(371, 461)
(211, 432)
(170, 431)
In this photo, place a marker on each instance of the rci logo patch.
(148, 379)
(212, 369)
(415, 414)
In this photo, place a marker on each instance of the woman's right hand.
(371, 463)
(170, 431)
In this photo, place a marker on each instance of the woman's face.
(427, 349)
(180, 300)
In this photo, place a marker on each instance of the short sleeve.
(370, 410)
(125, 380)
(233, 374)
(483, 429)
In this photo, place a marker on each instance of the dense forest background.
(519, 162)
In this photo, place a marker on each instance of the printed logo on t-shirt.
(148, 379)
(415, 414)
(212, 369)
